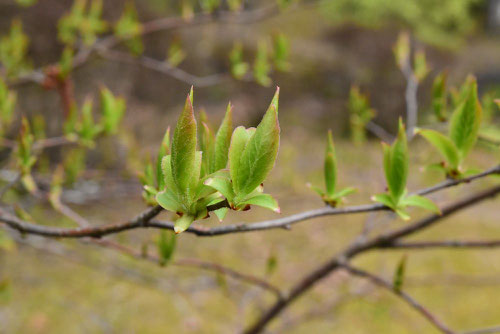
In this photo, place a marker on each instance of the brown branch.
(401, 294)
(489, 330)
(99, 231)
(424, 245)
(336, 262)
(165, 68)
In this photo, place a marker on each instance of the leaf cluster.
(83, 21)
(195, 174)
(463, 128)
(396, 165)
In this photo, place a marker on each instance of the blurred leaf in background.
(13, 50)
(442, 23)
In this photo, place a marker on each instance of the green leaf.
(396, 164)
(239, 140)
(399, 275)
(330, 168)
(13, 50)
(207, 145)
(402, 49)
(384, 199)
(238, 67)
(443, 144)
(113, 109)
(162, 152)
(271, 264)
(261, 67)
(439, 100)
(175, 54)
(7, 104)
(222, 185)
(184, 147)
(466, 119)
(263, 200)
(166, 246)
(223, 140)
(422, 202)
(318, 190)
(421, 69)
(169, 201)
(344, 192)
(281, 50)
(402, 213)
(168, 179)
(183, 223)
(221, 213)
(260, 152)
(360, 114)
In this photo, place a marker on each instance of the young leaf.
(402, 49)
(360, 114)
(129, 29)
(7, 104)
(183, 223)
(402, 213)
(384, 199)
(421, 69)
(439, 100)
(222, 185)
(175, 54)
(281, 49)
(399, 275)
(261, 67)
(221, 213)
(443, 144)
(330, 167)
(163, 151)
(223, 140)
(166, 246)
(260, 152)
(168, 200)
(422, 202)
(239, 140)
(207, 145)
(397, 164)
(112, 109)
(466, 119)
(238, 67)
(13, 50)
(184, 147)
(263, 200)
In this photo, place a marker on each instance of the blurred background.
(55, 286)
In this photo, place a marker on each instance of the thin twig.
(424, 245)
(379, 132)
(489, 330)
(401, 294)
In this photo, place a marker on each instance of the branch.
(165, 68)
(401, 294)
(489, 330)
(424, 245)
(410, 97)
(285, 222)
(379, 132)
(336, 262)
